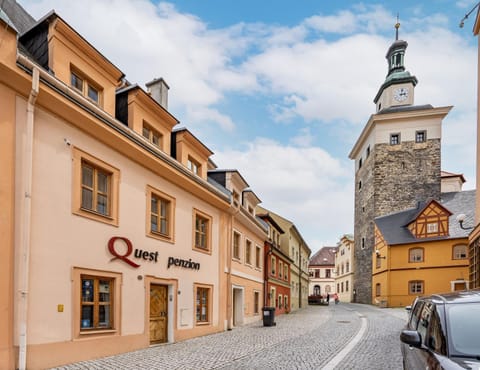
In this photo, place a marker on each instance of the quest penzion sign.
(121, 248)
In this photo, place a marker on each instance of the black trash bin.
(269, 316)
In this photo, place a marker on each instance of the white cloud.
(304, 184)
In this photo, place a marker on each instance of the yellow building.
(421, 251)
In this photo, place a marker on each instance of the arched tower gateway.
(397, 160)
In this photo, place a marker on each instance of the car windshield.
(464, 328)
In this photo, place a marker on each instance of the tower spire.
(397, 26)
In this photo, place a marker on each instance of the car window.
(435, 335)
(464, 327)
(415, 316)
(425, 320)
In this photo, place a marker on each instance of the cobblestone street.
(344, 336)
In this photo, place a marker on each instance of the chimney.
(158, 90)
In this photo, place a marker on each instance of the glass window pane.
(104, 316)
(155, 139)
(163, 226)
(87, 175)
(86, 320)
(93, 93)
(102, 179)
(87, 198)
(163, 208)
(102, 204)
(76, 82)
(146, 132)
(154, 205)
(104, 291)
(87, 290)
(154, 223)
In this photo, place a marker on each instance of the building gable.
(432, 221)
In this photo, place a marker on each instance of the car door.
(410, 358)
(433, 340)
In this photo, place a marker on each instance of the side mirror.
(412, 338)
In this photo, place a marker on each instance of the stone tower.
(397, 160)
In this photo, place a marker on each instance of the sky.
(280, 90)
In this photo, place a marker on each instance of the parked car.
(443, 332)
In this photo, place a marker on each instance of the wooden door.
(158, 313)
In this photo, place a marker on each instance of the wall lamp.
(377, 252)
(462, 22)
(460, 219)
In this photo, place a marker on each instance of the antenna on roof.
(397, 26)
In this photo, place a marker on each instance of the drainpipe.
(24, 263)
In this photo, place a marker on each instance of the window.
(415, 287)
(202, 231)
(95, 192)
(193, 166)
(360, 163)
(160, 214)
(347, 267)
(342, 269)
(85, 87)
(272, 297)
(317, 273)
(420, 136)
(248, 252)
(394, 139)
(378, 262)
(258, 257)
(273, 267)
(378, 289)
(97, 302)
(256, 302)
(285, 272)
(346, 286)
(280, 269)
(415, 255)
(363, 243)
(236, 198)
(359, 185)
(368, 151)
(280, 301)
(341, 286)
(236, 245)
(203, 297)
(432, 227)
(327, 273)
(285, 301)
(152, 135)
(459, 252)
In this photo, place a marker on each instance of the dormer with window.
(233, 181)
(250, 201)
(431, 221)
(138, 110)
(190, 152)
(59, 49)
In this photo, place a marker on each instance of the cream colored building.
(344, 269)
(321, 269)
(113, 236)
(244, 261)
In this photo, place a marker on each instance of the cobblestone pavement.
(305, 339)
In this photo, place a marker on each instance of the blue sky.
(280, 90)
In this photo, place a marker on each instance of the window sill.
(202, 250)
(96, 333)
(159, 236)
(202, 323)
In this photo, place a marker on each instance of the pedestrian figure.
(328, 298)
(335, 296)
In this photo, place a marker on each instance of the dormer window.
(152, 135)
(236, 199)
(193, 166)
(432, 227)
(85, 87)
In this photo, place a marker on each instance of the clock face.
(400, 94)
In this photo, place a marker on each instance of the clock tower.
(399, 85)
(397, 164)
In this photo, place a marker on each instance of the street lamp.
(377, 253)
(460, 219)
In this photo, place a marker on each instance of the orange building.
(421, 251)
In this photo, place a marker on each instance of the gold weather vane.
(397, 26)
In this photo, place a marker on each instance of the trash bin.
(269, 316)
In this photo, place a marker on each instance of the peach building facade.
(114, 235)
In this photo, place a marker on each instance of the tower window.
(368, 151)
(359, 185)
(360, 163)
(420, 136)
(394, 139)
(363, 243)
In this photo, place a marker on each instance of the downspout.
(24, 263)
